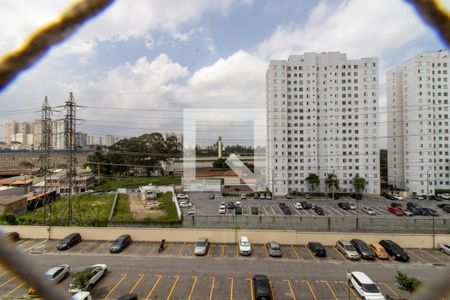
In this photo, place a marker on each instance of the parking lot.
(216, 276)
(202, 205)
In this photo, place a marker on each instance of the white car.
(190, 213)
(82, 296)
(445, 248)
(368, 210)
(298, 205)
(222, 210)
(95, 274)
(245, 248)
(182, 196)
(364, 286)
(351, 205)
(238, 203)
(399, 198)
(58, 274)
(185, 204)
(445, 196)
(243, 197)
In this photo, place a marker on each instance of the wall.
(224, 235)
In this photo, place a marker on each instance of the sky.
(135, 67)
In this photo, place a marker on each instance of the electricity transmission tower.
(71, 149)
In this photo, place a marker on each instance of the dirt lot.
(139, 211)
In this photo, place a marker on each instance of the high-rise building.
(10, 130)
(322, 113)
(90, 140)
(37, 133)
(58, 134)
(110, 140)
(419, 123)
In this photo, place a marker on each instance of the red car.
(394, 204)
(396, 211)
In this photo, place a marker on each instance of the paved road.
(177, 274)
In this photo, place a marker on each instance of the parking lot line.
(290, 288)
(310, 289)
(265, 250)
(4, 273)
(85, 247)
(15, 289)
(154, 286)
(237, 250)
(166, 248)
(5, 283)
(181, 249)
(192, 288)
(339, 252)
(271, 289)
(329, 287)
(251, 288)
(264, 208)
(173, 286)
(351, 290)
(295, 252)
(429, 254)
(231, 288)
(212, 287)
(141, 276)
(116, 285)
(223, 249)
(310, 253)
(389, 288)
(208, 253)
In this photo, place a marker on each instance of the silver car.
(201, 247)
(347, 249)
(368, 210)
(445, 248)
(58, 274)
(274, 249)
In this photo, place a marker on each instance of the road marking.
(8, 281)
(271, 289)
(386, 285)
(237, 250)
(3, 274)
(19, 286)
(310, 253)
(295, 252)
(35, 246)
(329, 287)
(231, 288)
(265, 250)
(265, 210)
(173, 286)
(212, 287)
(116, 285)
(141, 276)
(351, 290)
(181, 249)
(223, 249)
(290, 288)
(339, 253)
(85, 247)
(193, 287)
(167, 247)
(310, 289)
(251, 288)
(429, 254)
(209, 250)
(154, 286)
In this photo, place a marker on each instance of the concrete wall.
(225, 235)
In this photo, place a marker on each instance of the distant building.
(419, 123)
(110, 140)
(13, 204)
(148, 192)
(10, 131)
(219, 147)
(90, 140)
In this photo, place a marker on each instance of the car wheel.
(350, 284)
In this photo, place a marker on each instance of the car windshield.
(245, 243)
(349, 248)
(275, 247)
(201, 244)
(370, 288)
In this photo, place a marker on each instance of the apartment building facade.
(322, 117)
(419, 124)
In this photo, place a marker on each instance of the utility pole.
(427, 185)
(71, 148)
(44, 157)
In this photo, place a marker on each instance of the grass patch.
(88, 210)
(122, 211)
(168, 207)
(134, 182)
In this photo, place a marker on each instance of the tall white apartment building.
(322, 114)
(419, 123)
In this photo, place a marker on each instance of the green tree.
(80, 279)
(98, 162)
(25, 164)
(313, 181)
(220, 164)
(332, 183)
(8, 219)
(359, 184)
(410, 284)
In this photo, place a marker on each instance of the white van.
(364, 286)
(82, 296)
(245, 248)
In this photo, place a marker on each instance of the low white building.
(149, 192)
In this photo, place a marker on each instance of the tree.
(98, 162)
(359, 184)
(332, 183)
(80, 279)
(410, 284)
(313, 181)
(25, 164)
(220, 164)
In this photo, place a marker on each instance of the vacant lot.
(134, 182)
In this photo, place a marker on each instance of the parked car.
(424, 211)
(397, 197)
(318, 249)
(190, 213)
(364, 286)
(182, 196)
(298, 205)
(407, 212)
(307, 196)
(415, 211)
(238, 203)
(368, 210)
(201, 247)
(184, 204)
(418, 197)
(269, 196)
(306, 205)
(363, 249)
(212, 197)
(69, 241)
(395, 211)
(261, 287)
(120, 244)
(230, 205)
(243, 197)
(274, 249)
(444, 207)
(351, 205)
(222, 210)
(130, 296)
(94, 275)
(262, 196)
(285, 209)
(12, 236)
(319, 211)
(445, 196)
(356, 196)
(379, 251)
(58, 274)
(238, 210)
(347, 249)
(254, 210)
(395, 204)
(432, 212)
(288, 196)
(82, 296)
(343, 205)
(245, 248)
(255, 196)
(394, 250)
(444, 248)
